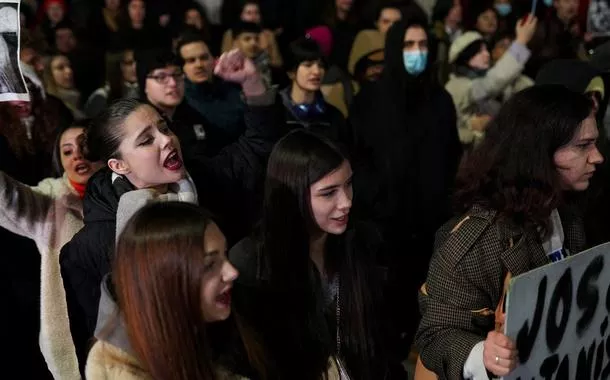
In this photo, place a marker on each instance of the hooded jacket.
(339, 88)
(406, 151)
(396, 122)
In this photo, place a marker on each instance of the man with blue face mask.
(405, 155)
(415, 51)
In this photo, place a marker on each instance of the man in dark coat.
(405, 152)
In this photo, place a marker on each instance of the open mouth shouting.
(224, 299)
(173, 161)
(82, 168)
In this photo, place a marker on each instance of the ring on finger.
(497, 360)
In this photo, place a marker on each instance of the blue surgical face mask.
(415, 61)
(548, 3)
(504, 9)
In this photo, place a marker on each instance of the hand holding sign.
(499, 354)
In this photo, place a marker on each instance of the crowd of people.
(304, 189)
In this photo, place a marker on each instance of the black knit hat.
(150, 60)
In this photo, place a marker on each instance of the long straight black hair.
(298, 160)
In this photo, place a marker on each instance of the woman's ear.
(118, 166)
(292, 75)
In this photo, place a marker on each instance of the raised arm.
(29, 211)
(509, 67)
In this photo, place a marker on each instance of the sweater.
(50, 214)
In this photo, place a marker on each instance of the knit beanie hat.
(465, 47)
(150, 60)
(323, 37)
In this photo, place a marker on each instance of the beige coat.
(107, 362)
(468, 93)
(50, 214)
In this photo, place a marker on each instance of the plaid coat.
(465, 282)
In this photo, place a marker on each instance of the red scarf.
(79, 187)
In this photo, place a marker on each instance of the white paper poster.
(12, 85)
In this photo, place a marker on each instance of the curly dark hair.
(513, 171)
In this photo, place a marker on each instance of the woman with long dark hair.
(311, 288)
(145, 163)
(513, 195)
(171, 281)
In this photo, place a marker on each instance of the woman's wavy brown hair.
(513, 170)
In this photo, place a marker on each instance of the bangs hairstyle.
(303, 50)
(513, 170)
(158, 271)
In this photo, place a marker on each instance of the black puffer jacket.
(86, 259)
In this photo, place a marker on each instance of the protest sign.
(558, 316)
(12, 85)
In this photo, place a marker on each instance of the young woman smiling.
(309, 284)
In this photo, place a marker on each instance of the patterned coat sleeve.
(456, 304)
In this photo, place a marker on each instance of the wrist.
(522, 40)
(253, 86)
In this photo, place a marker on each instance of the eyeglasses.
(164, 78)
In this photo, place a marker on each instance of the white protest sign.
(12, 84)
(558, 315)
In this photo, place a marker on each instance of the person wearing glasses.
(161, 84)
